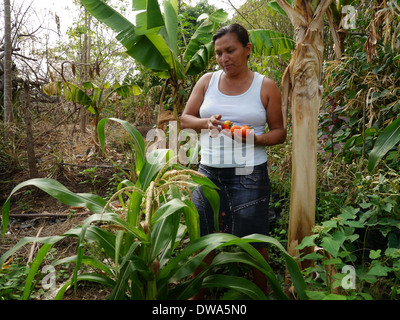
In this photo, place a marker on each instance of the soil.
(63, 154)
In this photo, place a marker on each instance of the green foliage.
(270, 47)
(357, 221)
(156, 38)
(389, 138)
(92, 176)
(145, 243)
(366, 105)
(90, 95)
(357, 227)
(93, 97)
(339, 241)
(153, 41)
(12, 279)
(271, 35)
(358, 197)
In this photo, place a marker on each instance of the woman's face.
(230, 53)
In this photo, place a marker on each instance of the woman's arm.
(190, 117)
(271, 98)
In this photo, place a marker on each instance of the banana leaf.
(270, 42)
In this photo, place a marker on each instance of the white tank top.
(244, 109)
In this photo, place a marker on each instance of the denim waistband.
(233, 170)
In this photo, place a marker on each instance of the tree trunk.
(85, 60)
(83, 114)
(8, 105)
(301, 88)
(161, 113)
(33, 173)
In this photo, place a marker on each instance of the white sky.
(61, 7)
(42, 14)
(65, 10)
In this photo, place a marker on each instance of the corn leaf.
(93, 277)
(154, 163)
(56, 190)
(167, 209)
(45, 240)
(34, 269)
(236, 283)
(135, 135)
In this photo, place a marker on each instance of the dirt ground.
(62, 154)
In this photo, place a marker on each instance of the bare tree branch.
(239, 13)
(29, 34)
(24, 57)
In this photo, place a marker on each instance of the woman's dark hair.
(241, 33)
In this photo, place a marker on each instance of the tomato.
(227, 124)
(242, 131)
(245, 130)
(233, 128)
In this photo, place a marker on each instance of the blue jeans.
(244, 201)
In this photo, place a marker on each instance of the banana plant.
(153, 40)
(301, 90)
(91, 96)
(144, 242)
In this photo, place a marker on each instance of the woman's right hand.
(214, 124)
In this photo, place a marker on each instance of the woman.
(237, 94)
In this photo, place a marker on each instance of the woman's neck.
(242, 75)
(236, 84)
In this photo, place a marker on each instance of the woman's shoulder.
(205, 80)
(206, 77)
(269, 89)
(269, 83)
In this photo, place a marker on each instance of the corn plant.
(145, 241)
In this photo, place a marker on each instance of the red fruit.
(245, 130)
(227, 124)
(233, 128)
(241, 130)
